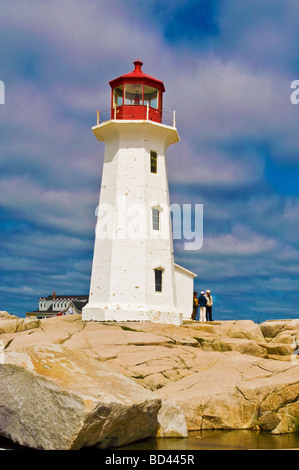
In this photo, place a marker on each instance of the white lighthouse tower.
(134, 277)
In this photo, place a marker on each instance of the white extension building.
(134, 277)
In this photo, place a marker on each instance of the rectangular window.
(154, 162)
(118, 95)
(150, 97)
(158, 280)
(156, 219)
(133, 94)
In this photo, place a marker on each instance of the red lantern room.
(136, 96)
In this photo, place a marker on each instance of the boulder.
(4, 314)
(205, 327)
(283, 338)
(54, 397)
(172, 421)
(12, 324)
(272, 328)
(289, 419)
(279, 349)
(232, 344)
(268, 421)
(245, 329)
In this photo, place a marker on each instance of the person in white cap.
(209, 305)
(202, 302)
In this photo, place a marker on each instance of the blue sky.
(227, 66)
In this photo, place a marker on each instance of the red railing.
(146, 113)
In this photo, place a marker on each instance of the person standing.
(195, 307)
(209, 305)
(202, 302)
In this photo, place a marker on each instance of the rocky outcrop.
(54, 397)
(12, 324)
(272, 329)
(218, 375)
(281, 339)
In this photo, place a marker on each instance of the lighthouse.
(134, 276)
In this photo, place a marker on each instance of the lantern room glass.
(118, 94)
(136, 94)
(133, 94)
(151, 96)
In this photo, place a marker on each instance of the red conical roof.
(137, 76)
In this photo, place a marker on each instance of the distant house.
(55, 305)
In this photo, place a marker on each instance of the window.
(158, 280)
(154, 162)
(150, 96)
(118, 95)
(133, 94)
(156, 219)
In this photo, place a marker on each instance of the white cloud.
(241, 241)
(215, 168)
(291, 212)
(65, 209)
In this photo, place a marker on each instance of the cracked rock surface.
(217, 375)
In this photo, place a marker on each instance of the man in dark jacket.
(202, 302)
(209, 305)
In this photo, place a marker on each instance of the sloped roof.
(138, 74)
(66, 297)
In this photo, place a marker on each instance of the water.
(206, 440)
(220, 440)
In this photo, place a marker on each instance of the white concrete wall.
(184, 282)
(122, 281)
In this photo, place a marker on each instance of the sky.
(227, 66)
